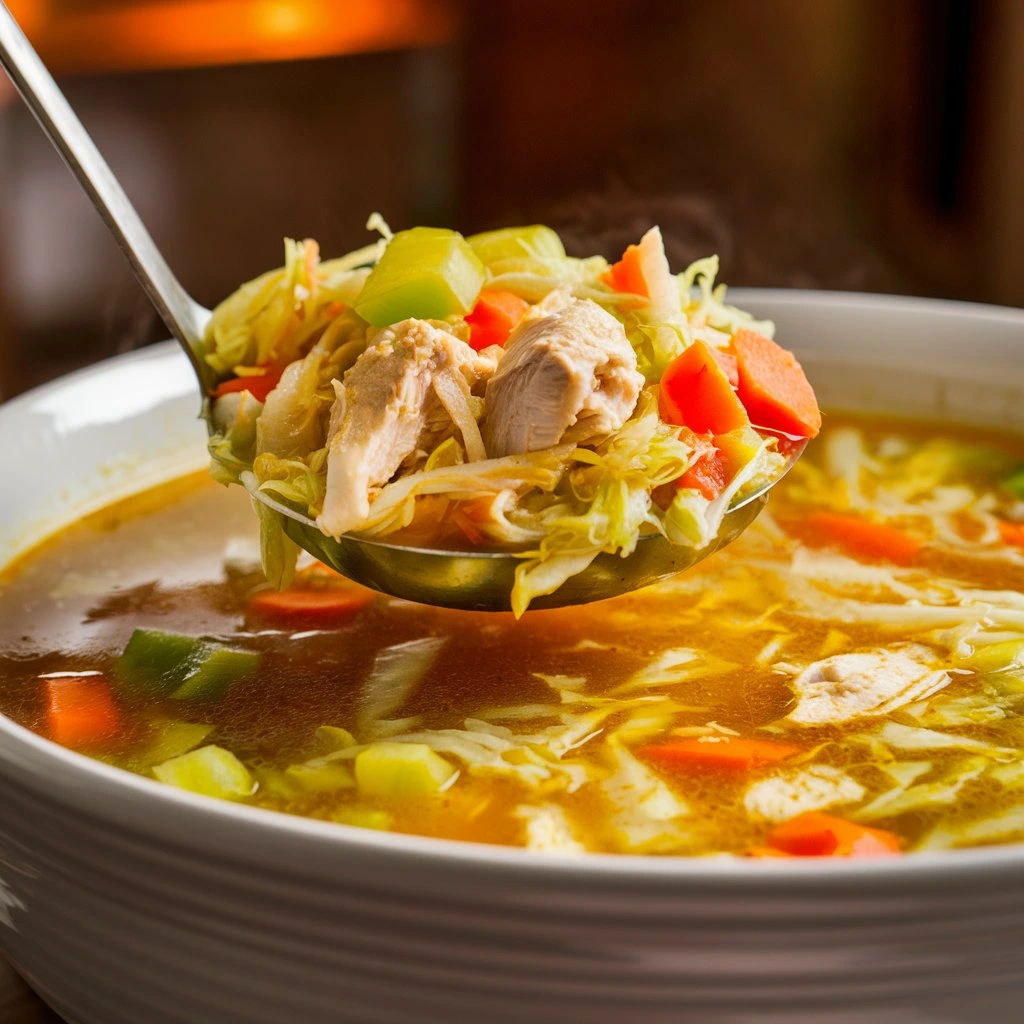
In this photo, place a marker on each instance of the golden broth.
(712, 653)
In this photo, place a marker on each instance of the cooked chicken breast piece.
(848, 686)
(799, 790)
(385, 404)
(568, 376)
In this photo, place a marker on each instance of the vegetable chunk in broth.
(845, 680)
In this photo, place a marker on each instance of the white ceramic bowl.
(125, 902)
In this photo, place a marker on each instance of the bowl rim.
(51, 763)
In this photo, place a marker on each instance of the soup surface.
(847, 678)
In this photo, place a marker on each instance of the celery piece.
(516, 243)
(157, 662)
(429, 273)
(401, 770)
(210, 770)
(174, 739)
(213, 673)
(996, 657)
(363, 817)
(1014, 483)
(324, 779)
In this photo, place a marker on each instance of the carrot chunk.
(821, 835)
(321, 607)
(258, 385)
(727, 363)
(627, 275)
(1012, 533)
(772, 386)
(493, 317)
(695, 393)
(859, 537)
(725, 753)
(80, 711)
(709, 472)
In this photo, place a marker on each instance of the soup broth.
(857, 657)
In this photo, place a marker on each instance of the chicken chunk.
(848, 686)
(388, 400)
(569, 376)
(799, 790)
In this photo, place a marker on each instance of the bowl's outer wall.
(129, 903)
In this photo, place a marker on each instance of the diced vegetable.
(726, 753)
(325, 778)
(859, 537)
(157, 661)
(822, 835)
(363, 817)
(1014, 483)
(773, 387)
(627, 275)
(401, 770)
(182, 667)
(80, 711)
(535, 240)
(493, 317)
(996, 657)
(1012, 533)
(210, 770)
(173, 739)
(215, 672)
(258, 385)
(430, 273)
(323, 607)
(709, 473)
(696, 393)
(727, 363)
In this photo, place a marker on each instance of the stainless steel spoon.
(480, 580)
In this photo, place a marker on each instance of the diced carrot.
(773, 387)
(493, 317)
(728, 364)
(80, 711)
(858, 537)
(258, 385)
(469, 516)
(695, 393)
(726, 753)
(765, 851)
(320, 607)
(822, 835)
(1012, 533)
(627, 275)
(709, 472)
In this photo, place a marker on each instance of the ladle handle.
(183, 315)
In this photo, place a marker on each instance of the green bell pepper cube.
(517, 243)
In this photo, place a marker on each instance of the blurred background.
(851, 144)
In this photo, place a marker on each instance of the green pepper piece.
(214, 672)
(174, 739)
(429, 273)
(1014, 483)
(517, 243)
(210, 770)
(158, 662)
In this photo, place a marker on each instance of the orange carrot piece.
(627, 275)
(258, 385)
(726, 753)
(772, 386)
(321, 607)
(80, 711)
(1012, 533)
(695, 393)
(727, 363)
(493, 317)
(822, 835)
(709, 472)
(761, 852)
(859, 537)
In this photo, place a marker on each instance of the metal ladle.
(480, 580)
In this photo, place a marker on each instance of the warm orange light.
(159, 33)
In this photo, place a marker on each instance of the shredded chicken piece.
(799, 790)
(389, 405)
(567, 376)
(848, 686)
